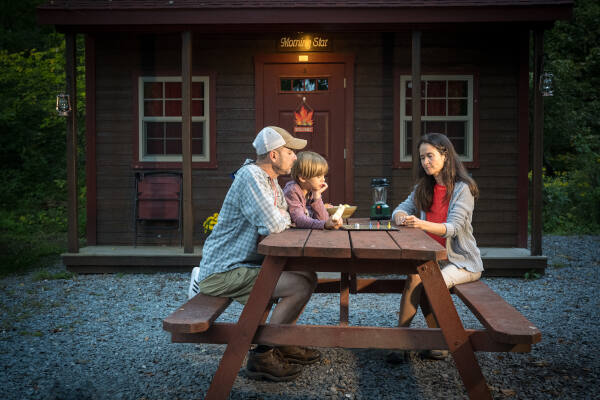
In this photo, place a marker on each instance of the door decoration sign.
(303, 118)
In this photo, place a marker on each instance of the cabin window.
(446, 107)
(160, 126)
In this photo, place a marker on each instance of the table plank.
(374, 244)
(288, 243)
(346, 336)
(417, 245)
(328, 244)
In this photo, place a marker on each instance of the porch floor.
(497, 261)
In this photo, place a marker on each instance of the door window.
(304, 84)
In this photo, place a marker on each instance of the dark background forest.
(33, 137)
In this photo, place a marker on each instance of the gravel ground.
(101, 337)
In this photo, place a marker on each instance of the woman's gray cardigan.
(460, 244)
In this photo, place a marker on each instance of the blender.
(380, 210)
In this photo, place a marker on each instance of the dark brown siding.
(121, 58)
(496, 64)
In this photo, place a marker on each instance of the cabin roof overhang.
(268, 15)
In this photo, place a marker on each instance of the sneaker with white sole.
(194, 283)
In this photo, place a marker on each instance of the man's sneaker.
(194, 283)
(299, 355)
(271, 365)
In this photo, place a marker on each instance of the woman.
(443, 198)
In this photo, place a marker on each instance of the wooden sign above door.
(303, 42)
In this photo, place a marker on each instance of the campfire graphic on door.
(303, 118)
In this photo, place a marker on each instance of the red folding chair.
(158, 202)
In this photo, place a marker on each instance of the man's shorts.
(236, 283)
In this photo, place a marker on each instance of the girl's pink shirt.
(305, 213)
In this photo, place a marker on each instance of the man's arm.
(257, 204)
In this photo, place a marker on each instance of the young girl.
(443, 198)
(303, 194)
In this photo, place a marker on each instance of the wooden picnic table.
(402, 251)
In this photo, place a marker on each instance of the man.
(255, 206)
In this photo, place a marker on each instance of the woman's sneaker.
(194, 283)
(434, 354)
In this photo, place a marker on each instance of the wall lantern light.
(546, 80)
(63, 104)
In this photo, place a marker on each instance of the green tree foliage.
(32, 143)
(33, 139)
(18, 28)
(572, 124)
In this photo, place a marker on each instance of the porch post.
(416, 101)
(71, 75)
(186, 137)
(538, 145)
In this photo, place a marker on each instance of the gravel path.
(101, 337)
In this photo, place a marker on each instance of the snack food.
(339, 212)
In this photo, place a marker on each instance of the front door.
(320, 87)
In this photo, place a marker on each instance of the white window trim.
(468, 118)
(142, 157)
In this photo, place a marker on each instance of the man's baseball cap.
(272, 137)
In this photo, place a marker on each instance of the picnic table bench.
(349, 252)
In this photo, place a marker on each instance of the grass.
(21, 252)
(44, 274)
(531, 275)
(33, 237)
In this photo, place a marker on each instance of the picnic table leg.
(247, 325)
(344, 297)
(427, 312)
(458, 342)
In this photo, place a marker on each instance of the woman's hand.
(413, 222)
(431, 227)
(400, 217)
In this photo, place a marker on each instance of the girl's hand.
(333, 223)
(316, 194)
(400, 218)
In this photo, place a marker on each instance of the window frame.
(208, 158)
(472, 138)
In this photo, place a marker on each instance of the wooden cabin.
(185, 85)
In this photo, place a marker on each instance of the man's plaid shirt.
(251, 208)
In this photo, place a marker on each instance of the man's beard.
(279, 171)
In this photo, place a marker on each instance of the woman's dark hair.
(452, 172)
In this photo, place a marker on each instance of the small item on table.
(338, 214)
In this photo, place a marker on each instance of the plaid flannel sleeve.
(258, 206)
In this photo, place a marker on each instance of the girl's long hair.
(453, 171)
